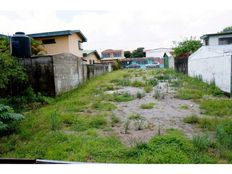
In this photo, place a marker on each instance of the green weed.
(147, 105)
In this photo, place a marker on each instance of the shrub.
(8, 119)
(147, 106)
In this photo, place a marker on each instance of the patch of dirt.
(166, 114)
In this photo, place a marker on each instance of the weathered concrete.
(54, 74)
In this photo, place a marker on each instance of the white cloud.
(121, 29)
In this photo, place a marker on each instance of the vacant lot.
(130, 116)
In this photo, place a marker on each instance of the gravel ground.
(166, 114)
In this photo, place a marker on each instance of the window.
(48, 41)
(225, 41)
(105, 55)
(117, 54)
(80, 46)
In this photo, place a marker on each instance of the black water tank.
(20, 45)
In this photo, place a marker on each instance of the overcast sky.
(149, 25)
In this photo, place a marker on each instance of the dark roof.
(215, 34)
(58, 33)
(88, 52)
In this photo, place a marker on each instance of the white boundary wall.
(212, 63)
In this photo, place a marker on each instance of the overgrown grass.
(84, 113)
(147, 105)
(184, 107)
(217, 107)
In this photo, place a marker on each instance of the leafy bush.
(8, 119)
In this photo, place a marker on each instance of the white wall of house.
(159, 52)
(214, 40)
(212, 63)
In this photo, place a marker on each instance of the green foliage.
(227, 29)
(116, 65)
(122, 82)
(55, 121)
(114, 120)
(224, 134)
(148, 88)
(137, 83)
(140, 95)
(147, 105)
(8, 119)
(187, 94)
(127, 54)
(201, 142)
(138, 53)
(103, 106)
(217, 107)
(193, 119)
(187, 46)
(124, 97)
(37, 48)
(185, 107)
(10, 70)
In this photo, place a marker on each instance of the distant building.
(67, 41)
(142, 62)
(91, 56)
(157, 52)
(169, 61)
(217, 39)
(112, 55)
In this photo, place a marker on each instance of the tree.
(127, 54)
(187, 46)
(138, 53)
(227, 29)
(10, 69)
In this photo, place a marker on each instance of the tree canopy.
(10, 69)
(127, 54)
(187, 46)
(227, 29)
(138, 53)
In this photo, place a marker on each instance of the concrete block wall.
(55, 74)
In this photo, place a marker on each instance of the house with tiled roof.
(66, 41)
(91, 56)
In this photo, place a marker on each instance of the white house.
(217, 39)
(158, 52)
(213, 61)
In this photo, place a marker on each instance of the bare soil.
(166, 114)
